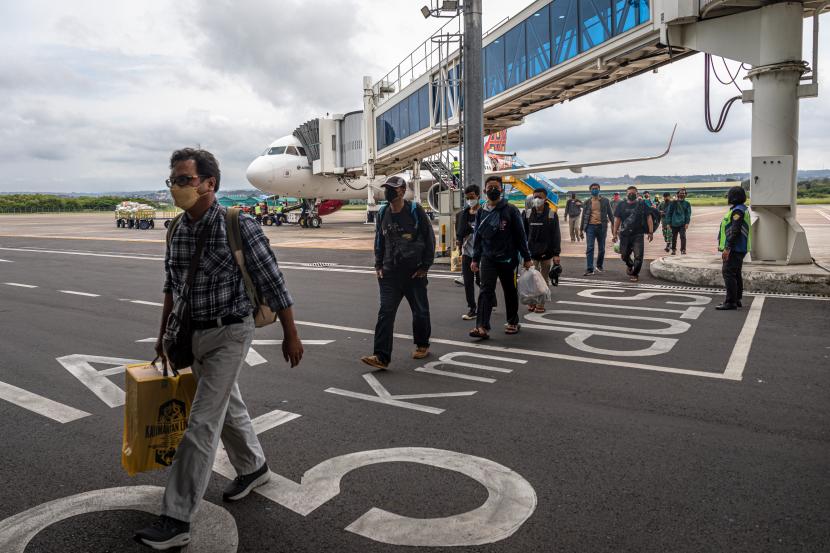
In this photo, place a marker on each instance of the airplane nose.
(259, 172)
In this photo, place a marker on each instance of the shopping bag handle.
(164, 366)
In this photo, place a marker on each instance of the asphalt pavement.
(626, 418)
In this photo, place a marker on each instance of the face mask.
(472, 203)
(391, 194)
(538, 202)
(185, 197)
(493, 194)
(595, 192)
(632, 197)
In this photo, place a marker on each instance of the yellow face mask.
(185, 197)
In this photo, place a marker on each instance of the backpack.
(412, 211)
(263, 314)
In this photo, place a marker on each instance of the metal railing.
(420, 61)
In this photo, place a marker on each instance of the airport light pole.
(473, 95)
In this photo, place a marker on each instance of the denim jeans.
(597, 232)
(393, 288)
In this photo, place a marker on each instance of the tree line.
(50, 202)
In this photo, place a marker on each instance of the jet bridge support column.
(369, 147)
(770, 39)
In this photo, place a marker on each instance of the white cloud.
(94, 96)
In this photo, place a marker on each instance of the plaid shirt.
(218, 288)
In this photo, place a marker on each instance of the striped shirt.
(218, 287)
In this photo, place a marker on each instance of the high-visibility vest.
(258, 210)
(456, 167)
(744, 243)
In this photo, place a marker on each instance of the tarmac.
(625, 418)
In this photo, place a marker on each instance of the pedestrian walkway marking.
(75, 293)
(20, 285)
(737, 361)
(449, 359)
(6, 261)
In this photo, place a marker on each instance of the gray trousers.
(217, 412)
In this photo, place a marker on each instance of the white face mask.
(472, 203)
(538, 202)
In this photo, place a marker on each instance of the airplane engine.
(327, 207)
(432, 194)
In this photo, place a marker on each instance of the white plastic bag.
(532, 287)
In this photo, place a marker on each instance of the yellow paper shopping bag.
(155, 416)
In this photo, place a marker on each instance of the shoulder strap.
(172, 227)
(235, 242)
(415, 215)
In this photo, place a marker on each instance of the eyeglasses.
(182, 180)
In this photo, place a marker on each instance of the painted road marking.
(740, 353)
(253, 358)
(823, 213)
(449, 359)
(75, 293)
(142, 302)
(511, 500)
(690, 313)
(80, 366)
(214, 528)
(40, 405)
(20, 285)
(383, 396)
(533, 353)
(6, 261)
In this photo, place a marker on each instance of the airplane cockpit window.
(301, 150)
(276, 150)
(292, 151)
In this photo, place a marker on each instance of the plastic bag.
(155, 416)
(532, 287)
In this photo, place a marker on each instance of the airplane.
(283, 169)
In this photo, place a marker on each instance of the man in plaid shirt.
(221, 315)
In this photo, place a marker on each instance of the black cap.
(395, 182)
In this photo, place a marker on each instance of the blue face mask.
(595, 192)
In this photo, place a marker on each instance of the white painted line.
(6, 261)
(740, 353)
(383, 396)
(254, 358)
(823, 213)
(120, 256)
(142, 302)
(690, 313)
(20, 285)
(273, 419)
(40, 405)
(576, 358)
(145, 340)
(73, 292)
(279, 342)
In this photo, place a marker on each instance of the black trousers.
(633, 244)
(681, 230)
(491, 271)
(471, 279)
(732, 278)
(393, 288)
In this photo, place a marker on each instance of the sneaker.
(667, 249)
(458, 282)
(598, 270)
(420, 352)
(373, 361)
(682, 252)
(164, 533)
(674, 252)
(726, 307)
(589, 272)
(469, 315)
(243, 485)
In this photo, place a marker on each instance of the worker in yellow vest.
(734, 241)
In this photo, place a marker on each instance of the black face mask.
(632, 197)
(493, 194)
(391, 194)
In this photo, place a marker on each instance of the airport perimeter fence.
(160, 214)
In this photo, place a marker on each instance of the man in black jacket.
(464, 232)
(596, 216)
(404, 252)
(499, 240)
(544, 238)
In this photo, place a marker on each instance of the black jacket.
(544, 239)
(500, 234)
(406, 253)
(606, 215)
(464, 224)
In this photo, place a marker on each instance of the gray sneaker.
(243, 485)
(165, 533)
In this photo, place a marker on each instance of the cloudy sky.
(95, 95)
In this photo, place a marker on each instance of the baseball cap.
(394, 182)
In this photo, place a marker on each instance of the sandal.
(512, 329)
(478, 333)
